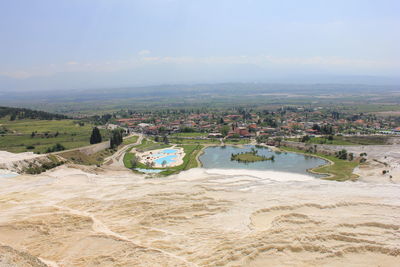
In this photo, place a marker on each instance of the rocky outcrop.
(28, 162)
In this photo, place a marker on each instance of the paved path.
(117, 159)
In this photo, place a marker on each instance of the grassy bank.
(230, 141)
(78, 157)
(189, 160)
(130, 140)
(251, 156)
(340, 170)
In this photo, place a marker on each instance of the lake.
(217, 157)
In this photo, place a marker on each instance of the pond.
(219, 157)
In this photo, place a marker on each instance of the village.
(287, 122)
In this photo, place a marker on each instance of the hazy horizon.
(50, 45)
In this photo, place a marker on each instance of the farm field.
(38, 135)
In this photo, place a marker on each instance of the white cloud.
(16, 74)
(364, 66)
(144, 52)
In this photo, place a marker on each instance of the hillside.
(23, 113)
(24, 130)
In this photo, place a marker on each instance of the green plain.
(70, 134)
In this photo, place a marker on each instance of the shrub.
(55, 148)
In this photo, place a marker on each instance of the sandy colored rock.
(98, 217)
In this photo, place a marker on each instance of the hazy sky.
(121, 42)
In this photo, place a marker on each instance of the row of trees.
(23, 113)
(57, 147)
(324, 129)
(164, 139)
(343, 154)
(116, 137)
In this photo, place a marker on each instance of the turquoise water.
(169, 151)
(8, 175)
(148, 170)
(220, 158)
(169, 159)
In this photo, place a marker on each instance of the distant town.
(262, 125)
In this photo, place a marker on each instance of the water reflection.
(220, 158)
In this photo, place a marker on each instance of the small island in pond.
(251, 156)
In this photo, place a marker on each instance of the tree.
(165, 140)
(13, 117)
(134, 161)
(187, 130)
(262, 139)
(95, 138)
(278, 141)
(162, 129)
(305, 139)
(55, 148)
(236, 135)
(342, 154)
(316, 127)
(225, 130)
(116, 138)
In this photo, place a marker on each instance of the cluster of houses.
(275, 123)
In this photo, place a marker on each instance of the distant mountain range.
(90, 80)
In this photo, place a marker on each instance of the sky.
(106, 43)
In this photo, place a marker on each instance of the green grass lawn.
(249, 157)
(127, 159)
(70, 134)
(346, 140)
(148, 145)
(130, 140)
(193, 141)
(237, 141)
(341, 170)
(321, 140)
(190, 134)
